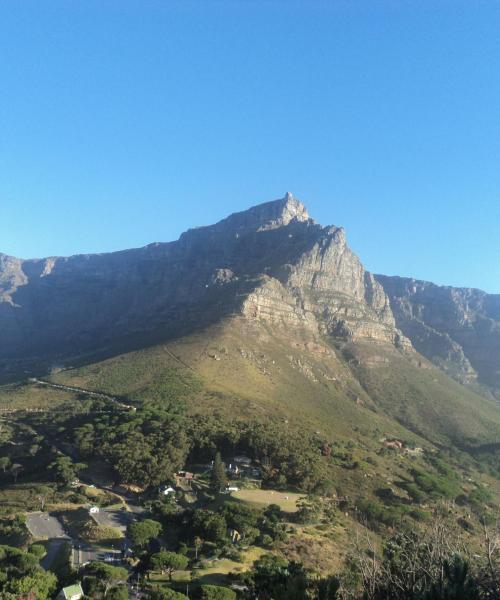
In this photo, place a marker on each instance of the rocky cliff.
(271, 262)
(456, 328)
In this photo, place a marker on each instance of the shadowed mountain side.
(271, 260)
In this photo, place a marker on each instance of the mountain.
(458, 329)
(270, 309)
(271, 262)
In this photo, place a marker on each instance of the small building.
(243, 460)
(185, 475)
(232, 488)
(167, 490)
(72, 592)
(93, 510)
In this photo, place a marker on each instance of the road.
(84, 553)
(109, 517)
(72, 388)
(53, 548)
(41, 525)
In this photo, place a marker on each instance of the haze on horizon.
(127, 123)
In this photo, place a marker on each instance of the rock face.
(456, 328)
(271, 262)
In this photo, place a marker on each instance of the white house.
(166, 491)
(93, 510)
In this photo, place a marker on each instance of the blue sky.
(123, 123)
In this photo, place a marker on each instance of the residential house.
(72, 592)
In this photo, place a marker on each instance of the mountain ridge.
(272, 262)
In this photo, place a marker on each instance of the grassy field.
(214, 572)
(287, 501)
(32, 397)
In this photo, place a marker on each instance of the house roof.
(72, 590)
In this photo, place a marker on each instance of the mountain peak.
(270, 215)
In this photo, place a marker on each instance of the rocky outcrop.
(456, 328)
(271, 262)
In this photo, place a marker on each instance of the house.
(232, 488)
(167, 490)
(93, 510)
(72, 592)
(243, 460)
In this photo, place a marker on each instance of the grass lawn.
(287, 501)
(215, 573)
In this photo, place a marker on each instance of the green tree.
(168, 562)
(209, 525)
(219, 479)
(216, 592)
(21, 576)
(101, 577)
(141, 532)
(4, 463)
(64, 470)
(165, 594)
(38, 550)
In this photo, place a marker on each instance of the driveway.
(119, 519)
(43, 526)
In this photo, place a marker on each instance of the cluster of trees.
(427, 564)
(147, 446)
(21, 576)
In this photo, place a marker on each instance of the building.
(72, 592)
(243, 460)
(93, 510)
(167, 490)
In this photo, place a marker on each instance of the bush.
(215, 592)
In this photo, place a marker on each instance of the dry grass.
(287, 501)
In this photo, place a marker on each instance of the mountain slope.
(268, 308)
(456, 328)
(271, 260)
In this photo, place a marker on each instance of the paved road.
(42, 525)
(112, 517)
(83, 554)
(53, 548)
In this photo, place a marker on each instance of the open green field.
(287, 501)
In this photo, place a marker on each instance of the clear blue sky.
(126, 122)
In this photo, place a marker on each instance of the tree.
(43, 494)
(209, 525)
(219, 479)
(103, 577)
(4, 463)
(22, 577)
(141, 532)
(165, 594)
(168, 562)
(38, 550)
(216, 592)
(198, 543)
(65, 470)
(118, 593)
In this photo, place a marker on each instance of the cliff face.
(271, 262)
(456, 328)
